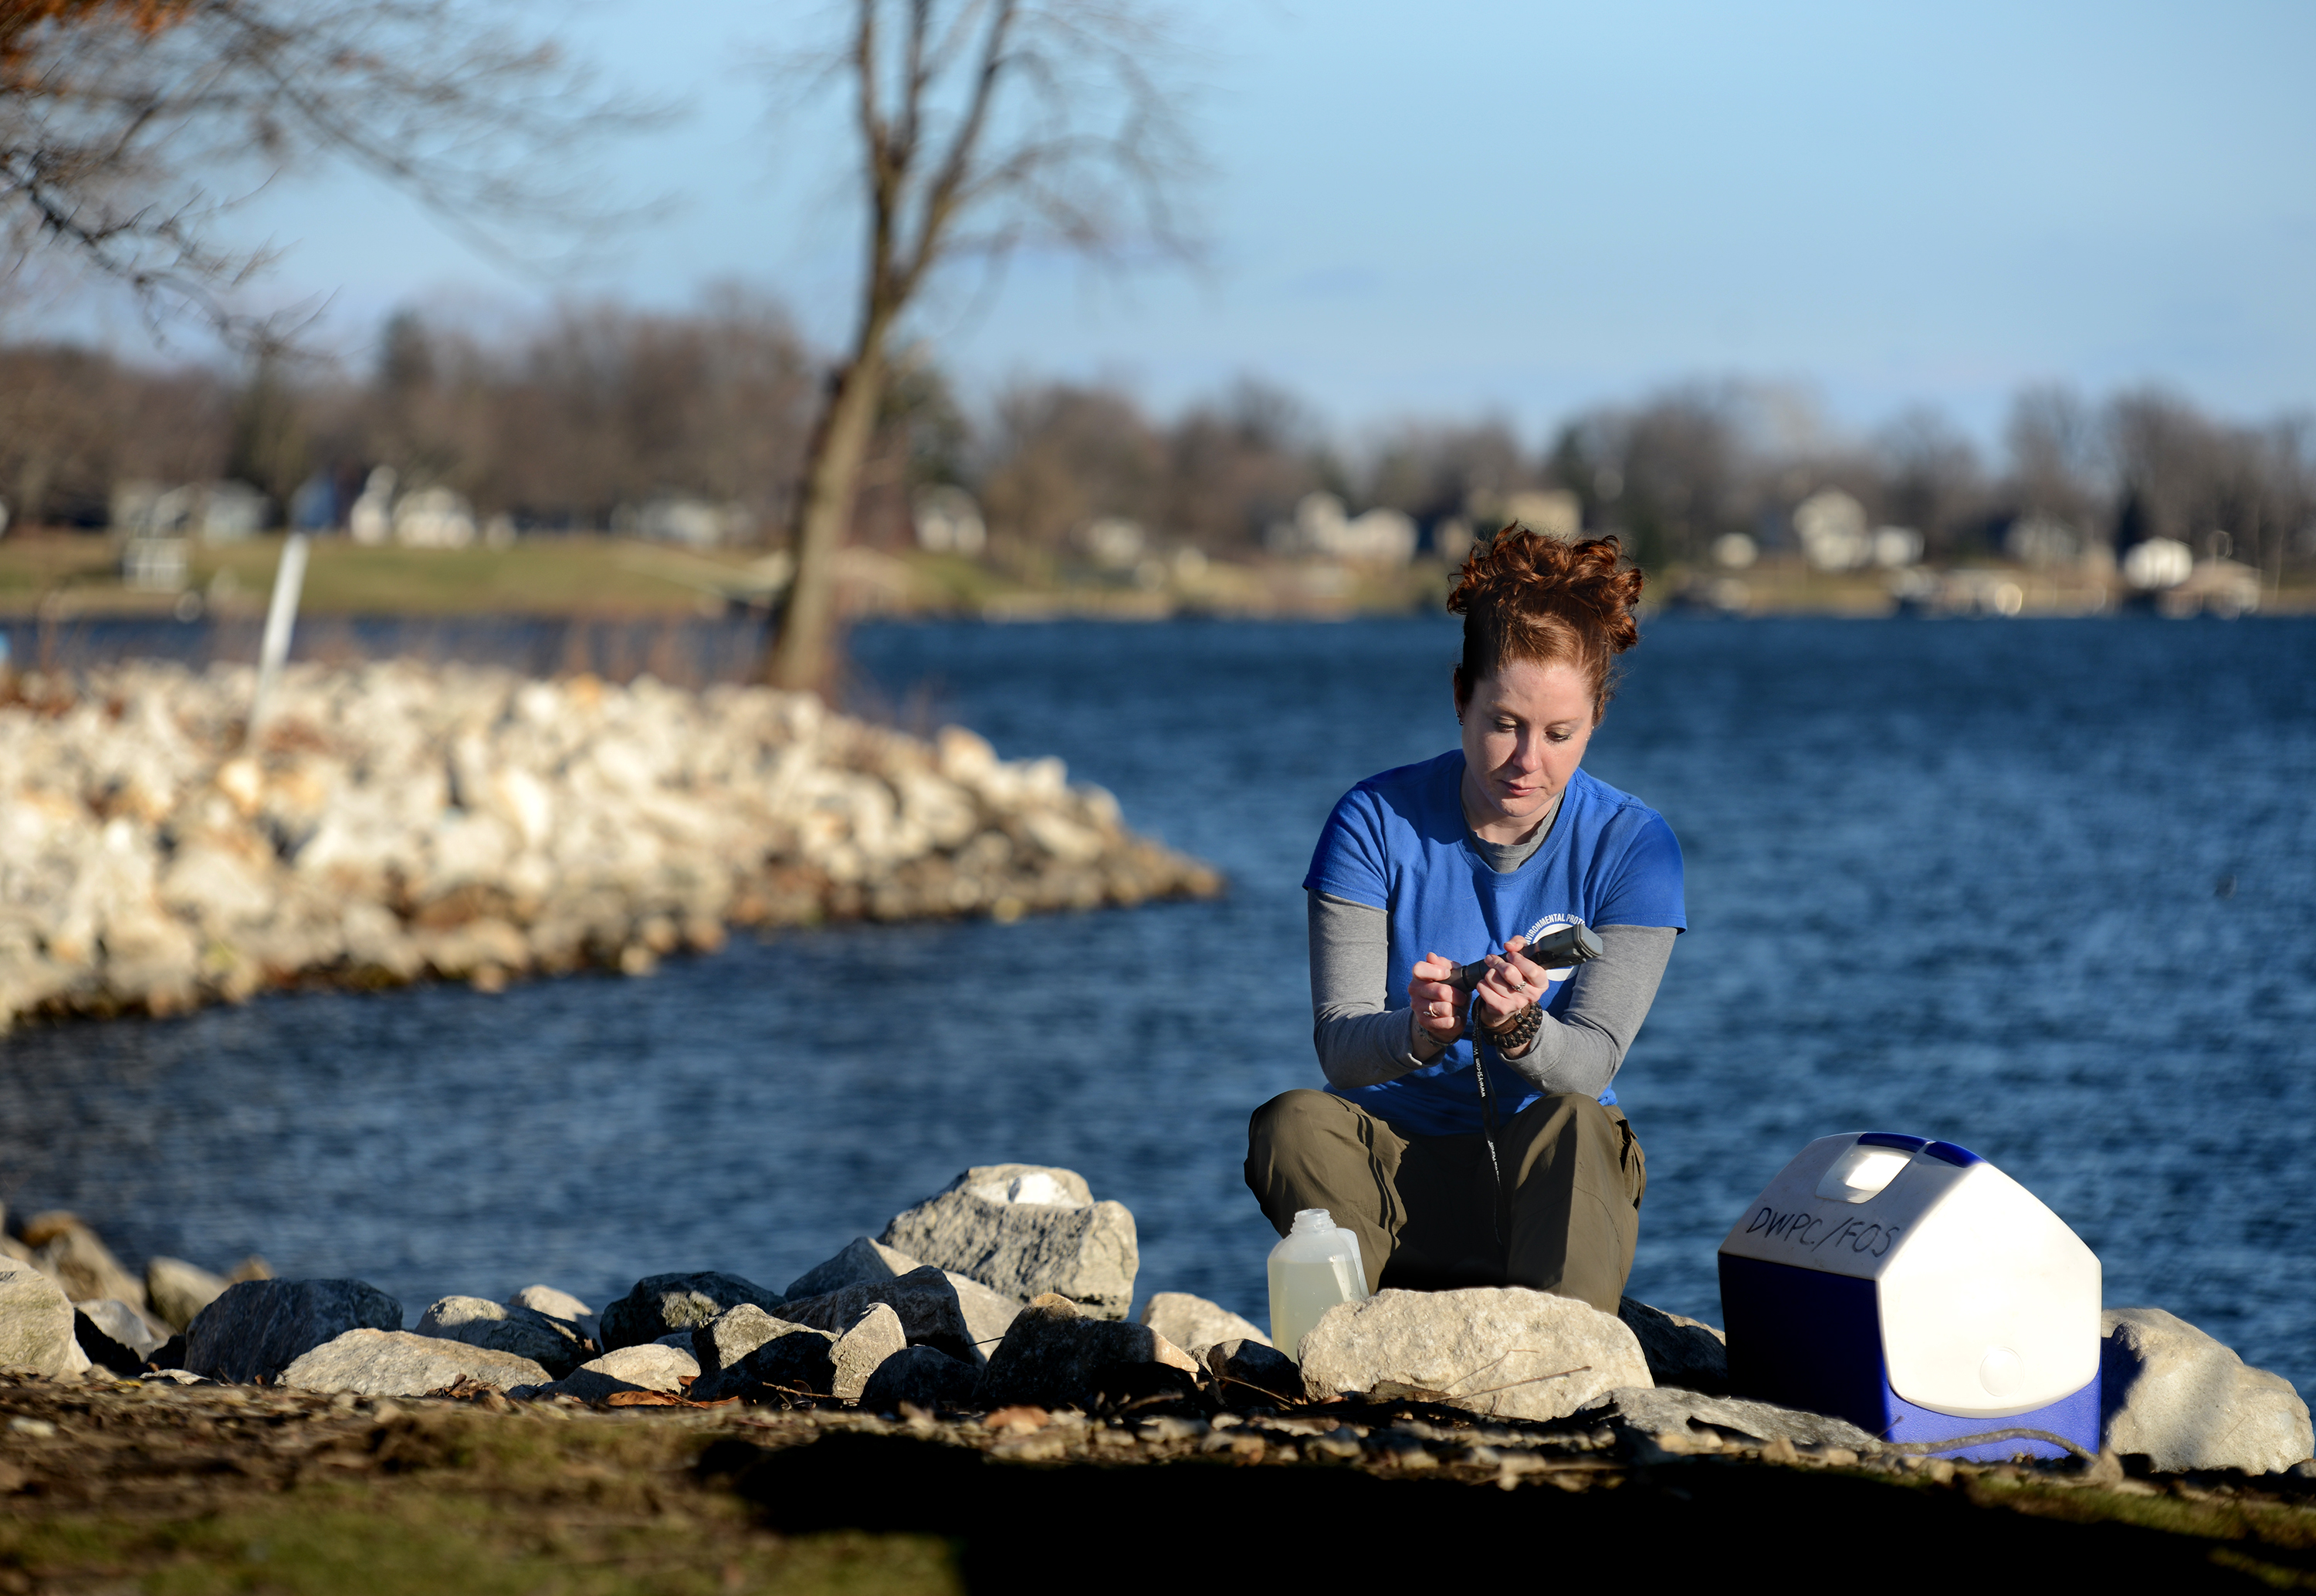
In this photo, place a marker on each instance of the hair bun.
(1524, 595)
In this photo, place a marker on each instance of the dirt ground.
(116, 1485)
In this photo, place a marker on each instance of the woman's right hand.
(1438, 1006)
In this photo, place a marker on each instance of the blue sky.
(1461, 209)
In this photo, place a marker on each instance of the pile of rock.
(394, 820)
(1007, 1292)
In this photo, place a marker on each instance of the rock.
(732, 1334)
(122, 1325)
(862, 1261)
(648, 1367)
(177, 1290)
(1688, 1353)
(1195, 1324)
(470, 820)
(1653, 1410)
(554, 1304)
(2189, 1402)
(557, 1305)
(924, 1299)
(554, 1344)
(988, 1314)
(405, 1363)
(100, 1348)
(799, 1362)
(875, 1336)
(1023, 1229)
(76, 1258)
(919, 1376)
(1055, 1355)
(1503, 1351)
(659, 1303)
(1249, 1370)
(37, 1323)
(256, 1329)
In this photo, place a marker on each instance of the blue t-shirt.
(1397, 842)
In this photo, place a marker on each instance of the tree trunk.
(803, 651)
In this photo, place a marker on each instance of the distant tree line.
(600, 407)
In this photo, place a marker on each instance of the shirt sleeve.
(1350, 861)
(1644, 887)
(1362, 1042)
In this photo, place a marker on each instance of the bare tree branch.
(131, 128)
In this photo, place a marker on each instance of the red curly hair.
(1526, 597)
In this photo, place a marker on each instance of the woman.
(1530, 1175)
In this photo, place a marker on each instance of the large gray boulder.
(37, 1323)
(918, 1376)
(2188, 1402)
(924, 1299)
(554, 1344)
(858, 1354)
(1682, 1352)
(988, 1314)
(659, 1303)
(176, 1291)
(1024, 1229)
(402, 1363)
(1057, 1356)
(798, 1362)
(1654, 1411)
(257, 1328)
(1195, 1324)
(651, 1365)
(1503, 1351)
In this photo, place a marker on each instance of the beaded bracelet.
(1513, 1037)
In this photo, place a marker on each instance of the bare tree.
(129, 128)
(983, 126)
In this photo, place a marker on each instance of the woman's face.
(1525, 730)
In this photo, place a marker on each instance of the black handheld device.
(1562, 949)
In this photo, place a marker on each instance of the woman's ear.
(1463, 694)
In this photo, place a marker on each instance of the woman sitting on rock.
(1528, 1175)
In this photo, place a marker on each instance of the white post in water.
(280, 615)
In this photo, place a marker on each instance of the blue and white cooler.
(1915, 1290)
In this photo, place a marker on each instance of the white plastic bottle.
(1315, 1265)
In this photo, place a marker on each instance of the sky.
(1469, 209)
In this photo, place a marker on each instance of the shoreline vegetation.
(55, 577)
(391, 822)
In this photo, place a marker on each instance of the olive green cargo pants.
(1425, 1209)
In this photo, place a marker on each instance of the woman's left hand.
(1512, 983)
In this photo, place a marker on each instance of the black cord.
(1487, 1117)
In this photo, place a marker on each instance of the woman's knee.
(1295, 1119)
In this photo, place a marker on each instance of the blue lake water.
(2047, 889)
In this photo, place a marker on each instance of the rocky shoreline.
(1012, 1297)
(946, 1411)
(395, 822)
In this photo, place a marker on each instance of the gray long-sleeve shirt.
(1362, 1041)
